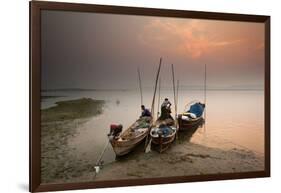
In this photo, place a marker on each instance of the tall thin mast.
(174, 88)
(140, 86)
(178, 83)
(155, 88)
(205, 93)
(158, 106)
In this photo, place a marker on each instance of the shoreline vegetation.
(62, 164)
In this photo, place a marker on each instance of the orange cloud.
(187, 37)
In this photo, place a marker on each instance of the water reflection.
(186, 135)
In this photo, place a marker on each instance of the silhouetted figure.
(166, 110)
(145, 112)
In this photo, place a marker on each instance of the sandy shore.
(59, 162)
(183, 159)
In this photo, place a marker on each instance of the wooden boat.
(186, 135)
(163, 133)
(123, 143)
(187, 120)
(160, 140)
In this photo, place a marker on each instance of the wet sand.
(183, 159)
(59, 162)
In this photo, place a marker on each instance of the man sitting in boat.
(166, 110)
(145, 112)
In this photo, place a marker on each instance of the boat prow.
(125, 142)
(163, 134)
(191, 117)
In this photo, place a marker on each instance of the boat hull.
(131, 137)
(124, 147)
(161, 143)
(185, 125)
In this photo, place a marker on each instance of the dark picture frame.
(35, 87)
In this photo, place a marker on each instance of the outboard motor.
(115, 130)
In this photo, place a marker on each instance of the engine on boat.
(115, 130)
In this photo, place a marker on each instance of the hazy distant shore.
(59, 123)
(49, 97)
(182, 87)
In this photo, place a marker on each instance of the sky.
(103, 51)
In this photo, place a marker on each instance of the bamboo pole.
(155, 87)
(140, 86)
(174, 88)
(147, 140)
(158, 106)
(205, 93)
(178, 83)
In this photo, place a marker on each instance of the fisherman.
(166, 109)
(145, 112)
(166, 103)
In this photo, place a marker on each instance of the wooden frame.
(35, 80)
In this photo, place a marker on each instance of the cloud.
(191, 38)
(260, 46)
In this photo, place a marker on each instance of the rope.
(101, 155)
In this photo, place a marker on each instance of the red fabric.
(114, 126)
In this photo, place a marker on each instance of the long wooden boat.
(187, 120)
(124, 142)
(160, 140)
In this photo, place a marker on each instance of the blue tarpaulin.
(197, 109)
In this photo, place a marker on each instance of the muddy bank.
(59, 162)
(183, 159)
